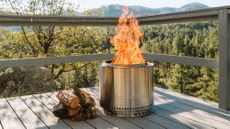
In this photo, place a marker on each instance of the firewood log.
(88, 104)
(88, 97)
(85, 96)
(60, 111)
(91, 101)
(75, 111)
(93, 112)
(89, 113)
(69, 99)
(81, 97)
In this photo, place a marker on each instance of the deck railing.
(221, 14)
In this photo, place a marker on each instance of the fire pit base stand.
(128, 112)
(126, 90)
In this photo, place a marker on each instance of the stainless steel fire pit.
(126, 90)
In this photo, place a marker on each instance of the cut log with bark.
(75, 104)
(88, 98)
(60, 111)
(75, 111)
(87, 102)
(69, 99)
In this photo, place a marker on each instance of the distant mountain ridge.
(115, 10)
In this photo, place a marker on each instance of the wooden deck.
(171, 110)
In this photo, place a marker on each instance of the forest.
(184, 39)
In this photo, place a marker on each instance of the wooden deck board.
(30, 120)
(188, 108)
(169, 124)
(171, 110)
(180, 119)
(197, 103)
(8, 117)
(144, 123)
(195, 117)
(101, 124)
(44, 114)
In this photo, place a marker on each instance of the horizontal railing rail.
(25, 20)
(186, 16)
(221, 14)
(192, 61)
(184, 60)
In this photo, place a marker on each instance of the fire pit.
(126, 90)
(126, 81)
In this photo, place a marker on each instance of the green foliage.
(44, 41)
(192, 39)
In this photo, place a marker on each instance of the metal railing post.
(224, 60)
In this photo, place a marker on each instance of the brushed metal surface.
(126, 90)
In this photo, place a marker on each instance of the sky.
(87, 4)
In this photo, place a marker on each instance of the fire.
(127, 40)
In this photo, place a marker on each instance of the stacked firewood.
(76, 104)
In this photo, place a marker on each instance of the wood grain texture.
(195, 117)
(171, 110)
(217, 117)
(180, 119)
(44, 114)
(194, 102)
(30, 120)
(169, 124)
(8, 117)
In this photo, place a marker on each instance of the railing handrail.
(33, 61)
(185, 16)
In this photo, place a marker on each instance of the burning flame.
(127, 40)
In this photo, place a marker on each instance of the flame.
(127, 40)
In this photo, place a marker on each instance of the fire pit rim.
(109, 64)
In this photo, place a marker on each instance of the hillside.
(114, 10)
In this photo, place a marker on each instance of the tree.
(42, 41)
(190, 39)
(179, 78)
